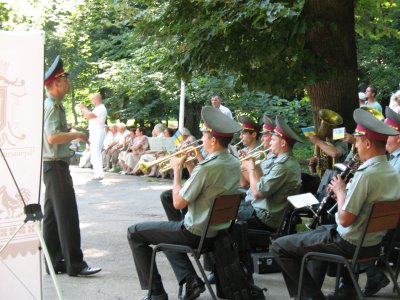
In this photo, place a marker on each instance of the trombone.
(259, 156)
(163, 162)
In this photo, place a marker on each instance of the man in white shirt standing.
(97, 119)
(370, 94)
(216, 103)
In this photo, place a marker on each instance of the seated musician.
(376, 279)
(266, 199)
(353, 201)
(218, 174)
(249, 137)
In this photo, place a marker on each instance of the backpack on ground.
(232, 278)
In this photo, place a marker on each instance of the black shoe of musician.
(60, 268)
(375, 283)
(162, 296)
(345, 292)
(194, 288)
(211, 278)
(86, 271)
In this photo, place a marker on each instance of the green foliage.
(378, 57)
(256, 41)
(136, 52)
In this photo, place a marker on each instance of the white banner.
(21, 115)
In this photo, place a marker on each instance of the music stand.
(33, 213)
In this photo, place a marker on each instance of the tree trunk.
(192, 117)
(332, 40)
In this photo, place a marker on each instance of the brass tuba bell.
(329, 120)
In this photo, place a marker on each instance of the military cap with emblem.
(269, 125)
(371, 127)
(56, 70)
(248, 124)
(218, 123)
(392, 118)
(284, 131)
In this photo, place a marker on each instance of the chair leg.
(397, 268)
(393, 277)
(339, 269)
(153, 259)
(300, 286)
(203, 274)
(354, 279)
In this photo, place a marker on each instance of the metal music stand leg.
(33, 213)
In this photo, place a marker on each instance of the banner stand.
(33, 212)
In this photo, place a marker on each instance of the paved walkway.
(106, 209)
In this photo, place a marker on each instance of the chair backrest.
(383, 215)
(224, 209)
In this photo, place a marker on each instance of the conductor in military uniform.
(353, 202)
(218, 174)
(61, 221)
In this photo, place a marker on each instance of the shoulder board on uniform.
(281, 159)
(207, 160)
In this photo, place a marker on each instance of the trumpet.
(259, 156)
(163, 162)
(192, 143)
(252, 151)
(237, 144)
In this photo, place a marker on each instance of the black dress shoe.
(194, 289)
(88, 271)
(211, 278)
(60, 268)
(344, 292)
(375, 283)
(162, 296)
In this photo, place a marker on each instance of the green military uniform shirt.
(343, 147)
(217, 175)
(281, 179)
(395, 160)
(374, 180)
(54, 122)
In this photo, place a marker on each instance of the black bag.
(231, 278)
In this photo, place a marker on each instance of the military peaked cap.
(371, 127)
(392, 118)
(269, 125)
(284, 131)
(56, 70)
(218, 123)
(248, 124)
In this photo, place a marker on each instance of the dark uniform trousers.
(61, 221)
(172, 213)
(141, 236)
(289, 250)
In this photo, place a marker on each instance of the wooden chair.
(383, 215)
(223, 210)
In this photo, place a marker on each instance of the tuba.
(329, 119)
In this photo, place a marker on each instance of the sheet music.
(162, 143)
(303, 200)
